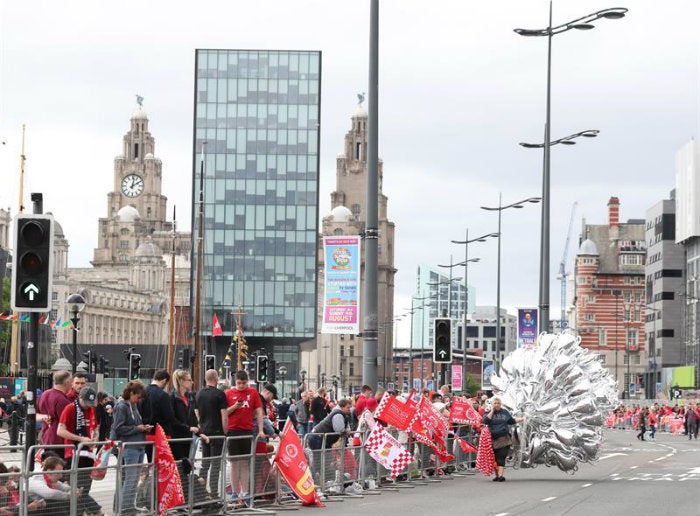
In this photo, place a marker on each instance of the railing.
(212, 476)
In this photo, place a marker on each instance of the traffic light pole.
(30, 428)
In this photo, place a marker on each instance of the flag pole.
(171, 335)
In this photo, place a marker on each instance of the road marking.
(634, 467)
(586, 485)
(549, 499)
(609, 455)
(502, 514)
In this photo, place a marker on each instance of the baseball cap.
(88, 395)
(272, 389)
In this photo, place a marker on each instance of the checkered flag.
(387, 451)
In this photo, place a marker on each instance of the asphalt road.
(634, 478)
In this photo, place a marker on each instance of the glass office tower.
(259, 113)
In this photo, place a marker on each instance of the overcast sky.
(458, 90)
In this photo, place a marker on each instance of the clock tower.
(136, 209)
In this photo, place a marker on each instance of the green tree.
(471, 385)
(5, 326)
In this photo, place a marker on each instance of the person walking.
(213, 420)
(652, 424)
(498, 420)
(128, 427)
(642, 424)
(302, 414)
(692, 421)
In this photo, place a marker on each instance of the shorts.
(239, 446)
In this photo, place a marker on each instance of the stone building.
(127, 291)
(610, 295)
(341, 354)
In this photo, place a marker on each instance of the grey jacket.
(126, 418)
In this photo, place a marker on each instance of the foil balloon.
(566, 394)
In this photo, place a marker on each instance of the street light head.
(530, 32)
(583, 26)
(518, 206)
(590, 134)
(75, 303)
(568, 142)
(614, 15)
(531, 145)
(534, 200)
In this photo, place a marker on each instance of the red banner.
(466, 446)
(216, 330)
(291, 461)
(463, 412)
(169, 486)
(432, 419)
(395, 413)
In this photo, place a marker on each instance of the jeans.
(302, 429)
(132, 457)
(652, 431)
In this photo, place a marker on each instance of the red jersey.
(242, 418)
(360, 405)
(68, 419)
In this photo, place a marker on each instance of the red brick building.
(609, 295)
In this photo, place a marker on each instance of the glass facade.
(259, 113)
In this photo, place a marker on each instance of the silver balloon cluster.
(566, 394)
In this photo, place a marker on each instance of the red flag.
(463, 412)
(395, 413)
(466, 446)
(216, 327)
(170, 492)
(291, 461)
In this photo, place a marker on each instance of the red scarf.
(49, 482)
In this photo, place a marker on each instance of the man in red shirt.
(361, 403)
(51, 405)
(244, 406)
(79, 381)
(78, 424)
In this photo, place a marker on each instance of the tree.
(5, 326)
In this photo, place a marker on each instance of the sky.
(458, 89)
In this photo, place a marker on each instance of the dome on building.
(57, 228)
(128, 214)
(360, 112)
(588, 247)
(149, 156)
(148, 249)
(139, 114)
(341, 214)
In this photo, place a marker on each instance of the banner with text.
(527, 327)
(487, 370)
(341, 298)
(456, 378)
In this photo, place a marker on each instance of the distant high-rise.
(259, 113)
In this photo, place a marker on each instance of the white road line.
(586, 485)
(609, 455)
(549, 499)
(634, 467)
(502, 514)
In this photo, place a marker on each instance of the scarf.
(81, 427)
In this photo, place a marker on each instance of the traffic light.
(32, 263)
(272, 372)
(442, 341)
(209, 362)
(89, 357)
(261, 368)
(185, 359)
(102, 364)
(134, 366)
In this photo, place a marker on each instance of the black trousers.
(211, 460)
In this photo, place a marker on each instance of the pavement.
(631, 477)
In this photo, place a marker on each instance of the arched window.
(355, 208)
(338, 231)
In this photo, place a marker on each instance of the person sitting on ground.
(55, 493)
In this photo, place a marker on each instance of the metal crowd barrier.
(340, 470)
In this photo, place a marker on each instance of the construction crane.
(562, 269)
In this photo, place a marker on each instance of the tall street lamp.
(500, 208)
(283, 372)
(583, 23)
(466, 261)
(75, 303)
(410, 352)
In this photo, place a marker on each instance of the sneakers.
(501, 479)
(496, 479)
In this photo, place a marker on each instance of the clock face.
(132, 185)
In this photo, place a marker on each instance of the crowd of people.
(647, 420)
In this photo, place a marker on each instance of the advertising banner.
(527, 326)
(341, 298)
(456, 378)
(487, 370)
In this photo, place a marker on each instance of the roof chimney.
(614, 212)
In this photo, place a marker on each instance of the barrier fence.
(215, 479)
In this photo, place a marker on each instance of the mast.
(196, 371)
(171, 336)
(14, 357)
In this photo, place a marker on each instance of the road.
(631, 478)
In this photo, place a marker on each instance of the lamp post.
(583, 23)
(443, 374)
(283, 372)
(302, 373)
(500, 208)
(410, 352)
(75, 303)
(466, 262)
